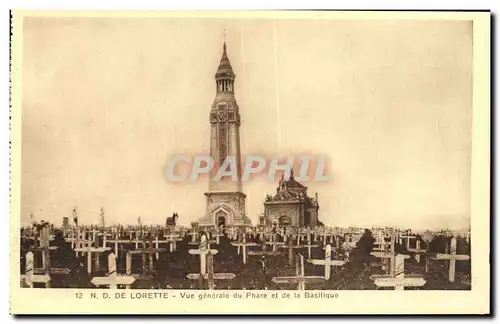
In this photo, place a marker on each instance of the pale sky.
(107, 101)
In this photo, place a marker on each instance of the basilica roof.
(291, 190)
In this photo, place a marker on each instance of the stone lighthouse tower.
(225, 200)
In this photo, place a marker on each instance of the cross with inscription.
(398, 280)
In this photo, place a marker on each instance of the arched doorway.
(285, 221)
(221, 218)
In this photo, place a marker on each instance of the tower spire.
(224, 71)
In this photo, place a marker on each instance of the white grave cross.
(398, 280)
(30, 278)
(113, 279)
(202, 252)
(327, 262)
(89, 251)
(299, 278)
(452, 257)
(211, 275)
(244, 246)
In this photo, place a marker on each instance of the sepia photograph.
(241, 157)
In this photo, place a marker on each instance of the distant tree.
(365, 243)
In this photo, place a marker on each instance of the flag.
(75, 217)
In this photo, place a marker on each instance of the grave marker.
(144, 252)
(46, 262)
(211, 275)
(327, 262)
(243, 245)
(300, 278)
(452, 257)
(89, 250)
(113, 279)
(30, 278)
(398, 280)
(417, 250)
(202, 253)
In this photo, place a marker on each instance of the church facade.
(290, 206)
(225, 200)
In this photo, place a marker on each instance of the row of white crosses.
(79, 244)
(149, 249)
(289, 242)
(451, 257)
(112, 279)
(264, 251)
(243, 244)
(82, 244)
(170, 239)
(394, 266)
(304, 238)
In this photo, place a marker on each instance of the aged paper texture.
(250, 162)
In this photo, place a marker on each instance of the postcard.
(250, 162)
